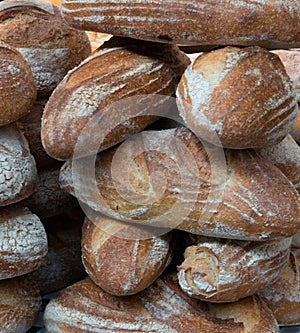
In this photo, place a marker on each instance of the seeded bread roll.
(219, 270)
(172, 180)
(214, 22)
(238, 98)
(124, 259)
(18, 174)
(283, 296)
(17, 85)
(89, 99)
(51, 47)
(19, 305)
(23, 242)
(161, 308)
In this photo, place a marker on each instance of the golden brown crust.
(268, 23)
(124, 259)
(238, 98)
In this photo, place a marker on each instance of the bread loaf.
(23, 242)
(86, 102)
(46, 41)
(170, 179)
(124, 259)
(238, 98)
(283, 296)
(19, 306)
(161, 308)
(215, 22)
(219, 270)
(18, 174)
(17, 85)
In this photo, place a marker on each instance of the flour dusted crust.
(17, 85)
(18, 174)
(267, 23)
(217, 270)
(19, 304)
(121, 265)
(238, 98)
(23, 242)
(50, 46)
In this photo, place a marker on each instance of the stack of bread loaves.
(166, 184)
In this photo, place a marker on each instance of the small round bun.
(238, 98)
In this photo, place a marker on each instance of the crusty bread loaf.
(272, 24)
(17, 86)
(170, 179)
(161, 308)
(63, 265)
(51, 47)
(19, 305)
(220, 270)
(48, 198)
(23, 242)
(124, 259)
(18, 174)
(238, 98)
(85, 103)
(283, 296)
(286, 157)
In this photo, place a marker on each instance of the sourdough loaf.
(170, 179)
(238, 98)
(18, 174)
(121, 75)
(17, 86)
(124, 259)
(272, 24)
(51, 47)
(23, 242)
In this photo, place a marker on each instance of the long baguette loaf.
(272, 24)
(170, 179)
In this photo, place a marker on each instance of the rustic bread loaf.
(161, 308)
(283, 296)
(286, 157)
(219, 22)
(238, 98)
(19, 305)
(17, 85)
(51, 47)
(63, 265)
(220, 270)
(23, 242)
(124, 259)
(85, 103)
(170, 179)
(18, 174)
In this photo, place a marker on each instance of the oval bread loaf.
(120, 265)
(238, 98)
(17, 86)
(220, 270)
(268, 23)
(51, 47)
(23, 242)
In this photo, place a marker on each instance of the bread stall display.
(144, 187)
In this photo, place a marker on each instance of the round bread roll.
(238, 98)
(283, 296)
(17, 86)
(23, 242)
(124, 259)
(19, 304)
(18, 173)
(51, 47)
(220, 270)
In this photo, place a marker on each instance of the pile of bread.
(150, 165)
